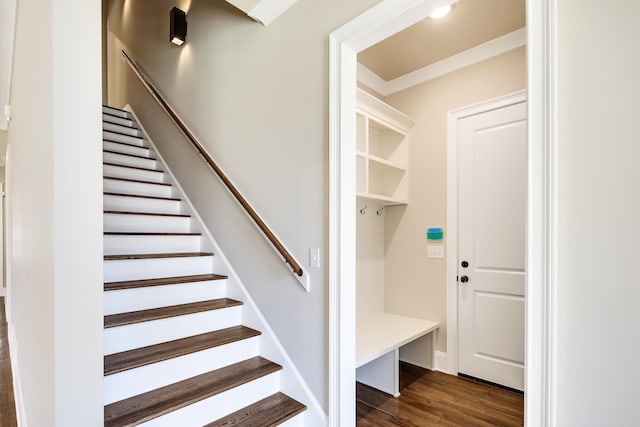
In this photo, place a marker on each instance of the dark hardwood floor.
(430, 398)
(7, 405)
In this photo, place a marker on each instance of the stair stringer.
(292, 382)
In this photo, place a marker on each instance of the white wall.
(369, 258)
(56, 288)
(258, 99)
(415, 284)
(7, 29)
(598, 211)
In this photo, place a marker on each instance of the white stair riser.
(155, 268)
(128, 187)
(140, 204)
(142, 223)
(140, 380)
(116, 112)
(111, 127)
(122, 338)
(135, 299)
(126, 148)
(215, 407)
(112, 136)
(297, 421)
(129, 173)
(122, 159)
(125, 245)
(118, 120)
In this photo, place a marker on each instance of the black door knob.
(464, 279)
(465, 264)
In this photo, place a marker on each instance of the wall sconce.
(177, 26)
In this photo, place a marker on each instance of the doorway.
(374, 25)
(486, 188)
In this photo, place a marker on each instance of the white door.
(491, 249)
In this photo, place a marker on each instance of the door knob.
(465, 264)
(464, 279)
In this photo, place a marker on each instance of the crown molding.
(455, 62)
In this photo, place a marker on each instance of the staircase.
(176, 351)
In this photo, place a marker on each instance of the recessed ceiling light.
(441, 12)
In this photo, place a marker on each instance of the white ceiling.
(470, 23)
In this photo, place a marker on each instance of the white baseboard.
(416, 363)
(441, 362)
(17, 387)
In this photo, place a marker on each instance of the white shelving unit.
(382, 151)
(382, 156)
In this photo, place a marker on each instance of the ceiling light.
(441, 12)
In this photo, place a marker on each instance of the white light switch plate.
(435, 251)
(314, 257)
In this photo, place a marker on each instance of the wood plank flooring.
(7, 405)
(430, 398)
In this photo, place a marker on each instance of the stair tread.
(132, 317)
(140, 181)
(132, 167)
(150, 256)
(268, 412)
(141, 196)
(111, 117)
(116, 108)
(130, 284)
(129, 155)
(123, 134)
(148, 233)
(135, 358)
(125, 143)
(118, 117)
(147, 213)
(144, 407)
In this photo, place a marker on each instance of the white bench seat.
(378, 339)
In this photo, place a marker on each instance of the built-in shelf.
(382, 151)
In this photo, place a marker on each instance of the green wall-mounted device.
(434, 233)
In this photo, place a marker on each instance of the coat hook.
(379, 211)
(364, 210)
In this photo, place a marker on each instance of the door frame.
(382, 20)
(452, 213)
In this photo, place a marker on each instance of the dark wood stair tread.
(139, 181)
(269, 412)
(129, 155)
(132, 317)
(149, 233)
(132, 284)
(132, 167)
(151, 256)
(141, 196)
(147, 213)
(111, 117)
(123, 134)
(147, 406)
(135, 358)
(129, 144)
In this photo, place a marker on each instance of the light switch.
(435, 251)
(314, 257)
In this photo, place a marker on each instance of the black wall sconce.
(178, 26)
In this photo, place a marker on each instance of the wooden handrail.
(207, 157)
